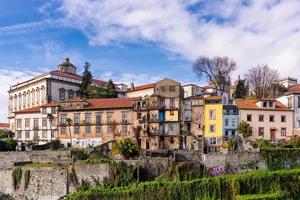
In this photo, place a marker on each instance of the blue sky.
(144, 41)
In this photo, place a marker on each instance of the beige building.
(268, 118)
(95, 121)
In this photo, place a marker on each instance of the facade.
(288, 82)
(33, 125)
(213, 119)
(268, 118)
(192, 90)
(230, 121)
(140, 91)
(291, 99)
(95, 121)
(54, 86)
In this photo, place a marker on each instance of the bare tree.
(217, 70)
(261, 80)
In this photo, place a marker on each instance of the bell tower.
(67, 67)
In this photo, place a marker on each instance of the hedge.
(272, 196)
(225, 187)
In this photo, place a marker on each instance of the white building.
(288, 82)
(192, 90)
(54, 86)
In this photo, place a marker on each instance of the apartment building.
(192, 90)
(268, 118)
(230, 121)
(95, 121)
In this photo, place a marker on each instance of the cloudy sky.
(144, 40)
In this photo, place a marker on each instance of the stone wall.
(92, 173)
(8, 159)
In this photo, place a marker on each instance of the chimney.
(132, 86)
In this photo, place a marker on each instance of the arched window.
(15, 102)
(24, 99)
(33, 97)
(28, 98)
(20, 100)
(38, 95)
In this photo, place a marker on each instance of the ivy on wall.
(16, 177)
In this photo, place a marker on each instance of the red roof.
(111, 102)
(250, 104)
(74, 76)
(295, 89)
(29, 110)
(52, 104)
(4, 125)
(142, 87)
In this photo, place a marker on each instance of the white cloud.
(251, 32)
(9, 77)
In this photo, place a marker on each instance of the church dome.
(67, 66)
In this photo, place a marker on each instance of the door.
(272, 134)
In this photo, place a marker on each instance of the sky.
(142, 41)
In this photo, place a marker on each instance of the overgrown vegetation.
(225, 187)
(126, 147)
(272, 196)
(39, 164)
(16, 177)
(244, 129)
(95, 161)
(27, 178)
(7, 144)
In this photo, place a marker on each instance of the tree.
(126, 147)
(261, 80)
(110, 84)
(86, 81)
(244, 129)
(240, 90)
(216, 70)
(50, 118)
(69, 124)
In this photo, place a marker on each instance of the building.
(140, 91)
(95, 121)
(291, 99)
(230, 121)
(192, 90)
(4, 126)
(33, 125)
(54, 86)
(213, 120)
(268, 118)
(288, 82)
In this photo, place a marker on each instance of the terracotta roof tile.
(111, 103)
(295, 89)
(4, 125)
(52, 104)
(142, 87)
(29, 110)
(250, 104)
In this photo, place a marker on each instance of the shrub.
(244, 129)
(17, 176)
(27, 178)
(126, 147)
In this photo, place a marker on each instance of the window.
(261, 118)
(62, 95)
(124, 118)
(76, 129)
(290, 102)
(172, 88)
(270, 104)
(87, 119)
(172, 140)
(109, 117)
(124, 129)
(44, 122)
(27, 123)
(233, 132)
(63, 130)
(213, 140)
(98, 119)
(249, 118)
(35, 123)
(271, 118)
(171, 113)
(76, 118)
(162, 88)
(283, 131)
(19, 123)
(212, 114)
(19, 134)
(53, 123)
(44, 111)
(171, 127)
(27, 134)
(53, 110)
(233, 122)
(172, 103)
(211, 128)
(162, 102)
(265, 104)
(226, 133)
(139, 115)
(226, 122)
(70, 94)
(44, 134)
(283, 118)
(260, 131)
(35, 135)
(98, 129)
(87, 129)
(63, 119)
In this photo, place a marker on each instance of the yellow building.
(213, 119)
(171, 115)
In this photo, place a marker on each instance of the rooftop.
(4, 125)
(250, 104)
(142, 87)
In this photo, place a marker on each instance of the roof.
(74, 76)
(142, 87)
(67, 63)
(29, 110)
(111, 103)
(213, 98)
(295, 89)
(52, 104)
(250, 104)
(4, 125)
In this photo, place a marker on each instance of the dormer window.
(265, 104)
(270, 104)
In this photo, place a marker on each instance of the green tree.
(50, 118)
(244, 129)
(110, 84)
(240, 90)
(69, 124)
(126, 147)
(101, 91)
(86, 81)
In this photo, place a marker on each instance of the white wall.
(140, 93)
